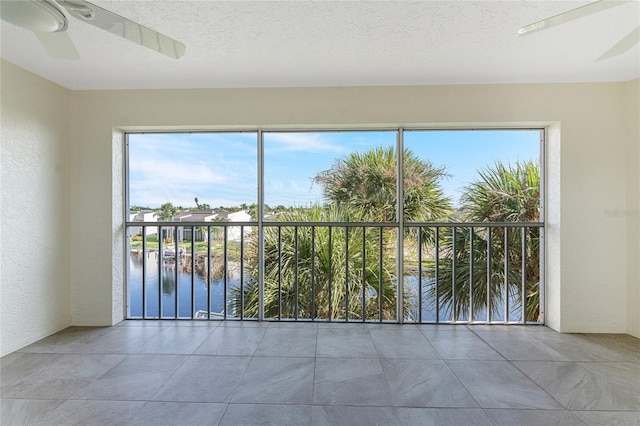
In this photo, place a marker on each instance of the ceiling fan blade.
(58, 45)
(570, 15)
(123, 27)
(623, 45)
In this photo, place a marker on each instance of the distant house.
(234, 232)
(143, 216)
(194, 216)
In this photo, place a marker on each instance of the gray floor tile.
(244, 324)
(62, 377)
(92, 413)
(237, 341)
(518, 345)
(431, 328)
(588, 385)
(288, 341)
(69, 340)
(628, 347)
(403, 416)
(533, 417)
(18, 412)
(8, 359)
(498, 384)
(349, 340)
(386, 326)
(121, 340)
(442, 417)
(267, 414)
(499, 328)
(136, 378)
(18, 365)
(354, 325)
(176, 340)
(577, 347)
(425, 383)
(144, 323)
(178, 414)
(170, 323)
(329, 415)
(292, 325)
(461, 344)
(609, 418)
(204, 379)
(195, 323)
(397, 341)
(277, 380)
(350, 381)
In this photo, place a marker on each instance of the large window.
(332, 239)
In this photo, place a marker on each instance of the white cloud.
(167, 171)
(309, 142)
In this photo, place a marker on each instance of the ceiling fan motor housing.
(42, 16)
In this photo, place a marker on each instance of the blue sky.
(221, 168)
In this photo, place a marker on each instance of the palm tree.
(367, 181)
(309, 274)
(165, 213)
(502, 193)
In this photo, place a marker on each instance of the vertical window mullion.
(279, 272)
(144, 272)
(364, 273)
(208, 280)
(313, 273)
(437, 274)
(400, 225)
(160, 260)
(193, 271)
(260, 219)
(419, 319)
(346, 273)
(242, 272)
(176, 264)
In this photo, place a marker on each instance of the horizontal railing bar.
(349, 224)
(334, 224)
(190, 224)
(474, 224)
(323, 320)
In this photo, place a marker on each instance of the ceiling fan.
(624, 45)
(46, 19)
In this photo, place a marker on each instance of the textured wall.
(35, 208)
(587, 254)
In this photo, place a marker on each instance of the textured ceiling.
(338, 43)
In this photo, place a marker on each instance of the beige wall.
(34, 239)
(592, 161)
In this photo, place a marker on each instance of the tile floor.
(246, 373)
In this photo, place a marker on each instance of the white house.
(234, 232)
(143, 216)
(194, 216)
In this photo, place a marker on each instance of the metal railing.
(337, 271)
(475, 272)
